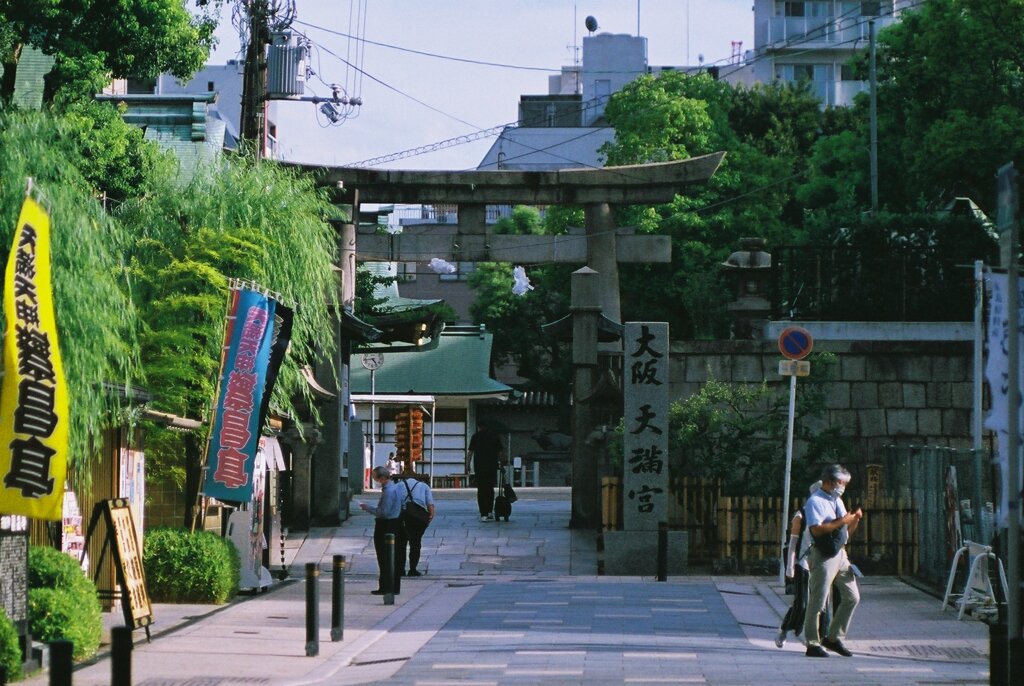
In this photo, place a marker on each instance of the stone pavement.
(519, 602)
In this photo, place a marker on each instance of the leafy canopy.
(93, 40)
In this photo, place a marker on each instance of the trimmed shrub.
(62, 601)
(10, 651)
(189, 567)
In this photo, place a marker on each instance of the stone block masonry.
(905, 392)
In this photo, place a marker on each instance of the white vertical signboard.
(645, 372)
(997, 375)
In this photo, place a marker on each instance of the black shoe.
(836, 647)
(816, 651)
(380, 592)
(413, 572)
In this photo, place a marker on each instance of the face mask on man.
(838, 490)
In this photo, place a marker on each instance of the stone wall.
(882, 392)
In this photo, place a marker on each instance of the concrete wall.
(883, 391)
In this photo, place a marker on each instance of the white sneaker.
(780, 640)
(485, 519)
(490, 516)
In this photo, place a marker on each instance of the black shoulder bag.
(828, 544)
(413, 510)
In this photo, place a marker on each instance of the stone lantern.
(750, 268)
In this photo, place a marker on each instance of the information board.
(124, 544)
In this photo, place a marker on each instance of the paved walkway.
(519, 602)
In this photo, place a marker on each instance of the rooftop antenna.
(575, 47)
(637, 18)
(737, 52)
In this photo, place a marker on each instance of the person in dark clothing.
(418, 492)
(485, 453)
(388, 513)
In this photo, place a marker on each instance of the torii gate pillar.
(602, 256)
(586, 310)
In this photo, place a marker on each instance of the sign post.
(795, 343)
(372, 362)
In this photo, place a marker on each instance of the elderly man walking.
(388, 513)
(830, 527)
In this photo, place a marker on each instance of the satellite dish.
(590, 23)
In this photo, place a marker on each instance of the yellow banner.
(33, 396)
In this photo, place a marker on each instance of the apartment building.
(812, 40)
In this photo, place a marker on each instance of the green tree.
(96, 320)
(235, 220)
(676, 116)
(516, 320)
(950, 84)
(93, 40)
(736, 433)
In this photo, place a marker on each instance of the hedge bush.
(62, 601)
(10, 651)
(189, 567)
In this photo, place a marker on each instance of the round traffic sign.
(795, 342)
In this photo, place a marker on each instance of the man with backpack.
(830, 527)
(417, 513)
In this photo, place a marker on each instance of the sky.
(412, 100)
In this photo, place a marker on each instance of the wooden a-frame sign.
(127, 555)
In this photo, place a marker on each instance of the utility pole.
(254, 78)
(873, 77)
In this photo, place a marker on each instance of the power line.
(496, 130)
(366, 41)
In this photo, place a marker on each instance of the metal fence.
(951, 491)
(842, 284)
(920, 503)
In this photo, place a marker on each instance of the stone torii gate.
(600, 245)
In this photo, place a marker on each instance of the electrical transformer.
(286, 66)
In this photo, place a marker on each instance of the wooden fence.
(744, 531)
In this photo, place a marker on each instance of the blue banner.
(231, 452)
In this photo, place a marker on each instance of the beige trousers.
(834, 573)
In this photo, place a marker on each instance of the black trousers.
(414, 531)
(382, 528)
(486, 480)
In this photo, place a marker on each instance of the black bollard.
(312, 614)
(662, 551)
(60, 663)
(338, 598)
(121, 656)
(3, 675)
(389, 569)
(997, 657)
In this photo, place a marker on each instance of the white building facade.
(812, 40)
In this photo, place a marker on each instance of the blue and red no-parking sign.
(795, 342)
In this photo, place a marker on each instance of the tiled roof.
(182, 123)
(457, 366)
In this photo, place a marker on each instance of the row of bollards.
(313, 602)
(121, 643)
(120, 659)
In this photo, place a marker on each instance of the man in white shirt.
(830, 527)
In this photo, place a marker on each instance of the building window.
(406, 271)
(791, 9)
(461, 273)
(209, 86)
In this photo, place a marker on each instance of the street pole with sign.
(795, 343)
(372, 362)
